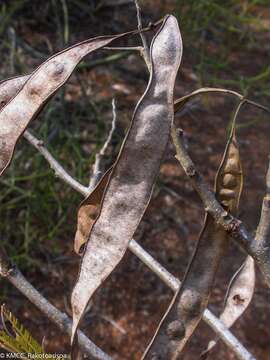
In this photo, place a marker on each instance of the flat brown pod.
(229, 179)
(186, 309)
(88, 212)
(241, 287)
(129, 189)
(37, 89)
(89, 208)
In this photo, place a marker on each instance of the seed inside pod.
(232, 165)
(176, 330)
(229, 181)
(191, 302)
(55, 68)
(226, 194)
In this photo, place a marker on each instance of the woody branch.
(145, 257)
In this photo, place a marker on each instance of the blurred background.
(226, 44)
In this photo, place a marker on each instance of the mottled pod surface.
(130, 185)
(31, 93)
(186, 309)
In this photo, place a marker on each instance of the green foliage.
(41, 205)
(37, 211)
(215, 31)
(16, 338)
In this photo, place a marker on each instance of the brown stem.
(145, 51)
(235, 228)
(64, 323)
(263, 229)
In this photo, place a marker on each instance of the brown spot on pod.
(35, 87)
(75, 310)
(239, 295)
(34, 90)
(55, 69)
(124, 203)
(192, 298)
(191, 171)
(39, 87)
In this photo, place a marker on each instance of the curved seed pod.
(41, 85)
(129, 189)
(239, 293)
(238, 297)
(10, 87)
(187, 307)
(88, 212)
(89, 208)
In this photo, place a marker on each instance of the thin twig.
(179, 197)
(145, 52)
(123, 48)
(217, 326)
(3, 321)
(114, 2)
(164, 275)
(188, 305)
(16, 278)
(259, 106)
(66, 22)
(227, 337)
(139, 16)
(108, 320)
(107, 60)
(180, 102)
(139, 49)
(58, 169)
(97, 167)
(235, 228)
(263, 230)
(12, 37)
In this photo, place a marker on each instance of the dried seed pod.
(88, 212)
(10, 87)
(192, 298)
(238, 297)
(41, 85)
(90, 206)
(229, 180)
(129, 189)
